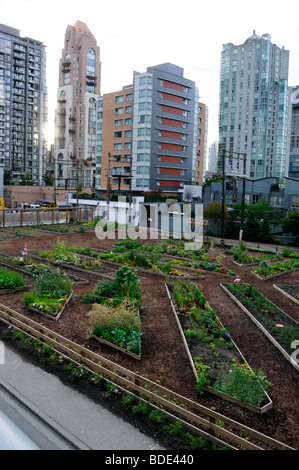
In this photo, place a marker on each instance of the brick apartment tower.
(76, 113)
(117, 140)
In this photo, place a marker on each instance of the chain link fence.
(49, 216)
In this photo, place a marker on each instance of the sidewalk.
(55, 416)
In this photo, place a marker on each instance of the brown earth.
(163, 355)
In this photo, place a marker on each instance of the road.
(261, 246)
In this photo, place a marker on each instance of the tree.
(48, 180)
(7, 177)
(26, 180)
(265, 232)
(214, 211)
(252, 231)
(290, 224)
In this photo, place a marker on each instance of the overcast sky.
(134, 35)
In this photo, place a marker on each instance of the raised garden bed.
(52, 316)
(265, 271)
(291, 292)
(211, 350)
(27, 266)
(50, 294)
(6, 235)
(61, 256)
(243, 257)
(278, 327)
(172, 254)
(115, 314)
(11, 281)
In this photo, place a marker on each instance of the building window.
(295, 201)
(119, 99)
(67, 78)
(90, 68)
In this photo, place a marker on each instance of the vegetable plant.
(10, 279)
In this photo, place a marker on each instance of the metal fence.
(50, 216)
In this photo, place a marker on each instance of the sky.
(133, 35)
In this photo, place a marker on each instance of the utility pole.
(54, 180)
(108, 187)
(243, 196)
(223, 197)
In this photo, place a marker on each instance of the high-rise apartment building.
(165, 129)
(76, 113)
(117, 140)
(201, 145)
(294, 138)
(23, 105)
(212, 164)
(254, 107)
(153, 133)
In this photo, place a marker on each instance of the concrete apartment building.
(152, 134)
(165, 129)
(117, 140)
(254, 115)
(23, 105)
(294, 137)
(76, 113)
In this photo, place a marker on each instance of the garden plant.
(10, 279)
(205, 335)
(50, 292)
(115, 312)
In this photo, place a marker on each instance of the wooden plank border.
(133, 380)
(289, 296)
(261, 327)
(224, 396)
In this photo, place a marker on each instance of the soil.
(163, 354)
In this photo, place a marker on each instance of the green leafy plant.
(243, 383)
(10, 279)
(50, 292)
(60, 254)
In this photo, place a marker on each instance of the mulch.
(163, 354)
